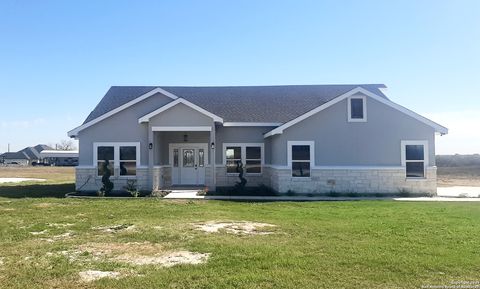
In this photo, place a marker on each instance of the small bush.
(333, 194)
(159, 193)
(352, 195)
(203, 192)
(101, 193)
(291, 193)
(131, 187)
(404, 193)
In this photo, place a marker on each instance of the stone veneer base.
(356, 180)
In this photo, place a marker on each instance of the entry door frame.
(177, 170)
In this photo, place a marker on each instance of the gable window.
(414, 158)
(357, 109)
(249, 155)
(300, 158)
(124, 156)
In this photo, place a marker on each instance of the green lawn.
(362, 244)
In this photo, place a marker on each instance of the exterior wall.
(120, 127)
(224, 180)
(354, 180)
(181, 115)
(86, 179)
(239, 135)
(22, 162)
(341, 143)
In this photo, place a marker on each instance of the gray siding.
(239, 135)
(181, 115)
(120, 127)
(341, 143)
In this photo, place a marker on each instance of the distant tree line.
(458, 160)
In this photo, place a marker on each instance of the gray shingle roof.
(240, 103)
(14, 156)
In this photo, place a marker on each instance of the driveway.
(459, 191)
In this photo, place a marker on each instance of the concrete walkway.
(192, 194)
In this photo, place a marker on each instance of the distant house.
(16, 158)
(59, 158)
(302, 138)
(26, 156)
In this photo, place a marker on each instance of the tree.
(65, 145)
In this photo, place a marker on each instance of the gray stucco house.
(305, 138)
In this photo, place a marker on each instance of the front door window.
(188, 158)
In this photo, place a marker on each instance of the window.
(248, 154)
(105, 156)
(414, 158)
(253, 160)
(234, 157)
(128, 161)
(175, 158)
(124, 156)
(201, 158)
(357, 109)
(300, 158)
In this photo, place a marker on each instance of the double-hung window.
(250, 155)
(357, 108)
(414, 158)
(124, 156)
(301, 158)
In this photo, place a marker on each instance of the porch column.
(150, 158)
(212, 158)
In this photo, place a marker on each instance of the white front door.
(188, 163)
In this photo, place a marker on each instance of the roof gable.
(280, 129)
(174, 103)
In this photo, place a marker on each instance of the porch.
(182, 157)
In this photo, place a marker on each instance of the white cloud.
(463, 131)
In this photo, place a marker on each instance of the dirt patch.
(39, 233)
(237, 228)
(92, 275)
(166, 260)
(61, 237)
(134, 253)
(115, 228)
(59, 225)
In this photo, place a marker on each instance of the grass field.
(59, 181)
(48, 242)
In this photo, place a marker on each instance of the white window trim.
(116, 155)
(312, 155)
(403, 155)
(349, 108)
(243, 150)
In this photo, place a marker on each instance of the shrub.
(352, 194)
(333, 194)
(291, 193)
(404, 193)
(107, 186)
(203, 192)
(131, 187)
(159, 193)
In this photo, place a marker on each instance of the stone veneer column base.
(87, 180)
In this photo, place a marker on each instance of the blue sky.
(58, 58)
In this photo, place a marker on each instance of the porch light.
(150, 145)
(212, 145)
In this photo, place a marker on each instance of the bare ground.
(458, 176)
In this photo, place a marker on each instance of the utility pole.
(8, 147)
